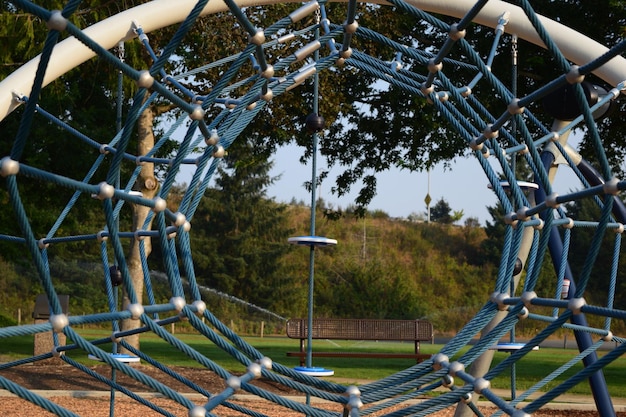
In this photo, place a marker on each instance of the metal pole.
(309, 347)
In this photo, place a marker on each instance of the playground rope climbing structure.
(536, 224)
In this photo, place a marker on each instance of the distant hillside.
(381, 268)
(388, 268)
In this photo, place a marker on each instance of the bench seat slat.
(419, 356)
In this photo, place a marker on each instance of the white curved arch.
(157, 14)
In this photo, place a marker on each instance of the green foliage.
(580, 249)
(239, 235)
(242, 234)
(492, 251)
(7, 321)
(383, 268)
(18, 289)
(441, 212)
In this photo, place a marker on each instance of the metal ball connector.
(136, 310)
(314, 123)
(197, 411)
(145, 79)
(9, 166)
(57, 21)
(59, 322)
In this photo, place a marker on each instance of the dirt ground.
(63, 377)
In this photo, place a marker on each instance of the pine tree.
(240, 234)
(440, 213)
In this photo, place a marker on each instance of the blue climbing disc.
(524, 185)
(120, 357)
(312, 241)
(510, 347)
(314, 371)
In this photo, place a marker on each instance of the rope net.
(249, 79)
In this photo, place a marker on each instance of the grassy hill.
(381, 267)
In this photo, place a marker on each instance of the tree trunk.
(146, 184)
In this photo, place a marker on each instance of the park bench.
(361, 329)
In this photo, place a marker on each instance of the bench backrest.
(362, 329)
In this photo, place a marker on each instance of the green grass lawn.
(529, 370)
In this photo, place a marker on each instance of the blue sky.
(400, 193)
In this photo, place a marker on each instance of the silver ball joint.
(136, 310)
(56, 352)
(514, 107)
(573, 76)
(268, 72)
(455, 34)
(456, 367)
(576, 305)
(57, 21)
(258, 38)
(521, 213)
(355, 403)
(145, 79)
(106, 191)
(197, 113)
(434, 67)
(179, 219)
(439, 361)
(219, 152)
(159, 205)
(199, 306)
(481, 384)
(178, 303)
(345, 54)
(611, 186)
(523, 314)
(234, 382)
(447, 381)
(551, 201)
(489, 133)
(213, 138)
(499, 300)
(427, 89)
(9, 166)
(59, 322)
(268, 95)
(511, 219)
(197, 411)
(255, 370)
(528, 297)
(351, 28)
(265, 362)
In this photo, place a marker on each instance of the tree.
(440, 212)
(240, 234)
(88, 105)
(598, 287)
(371, 126)
(536, 67)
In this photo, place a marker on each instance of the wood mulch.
(67, 378)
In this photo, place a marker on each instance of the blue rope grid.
(420, 72)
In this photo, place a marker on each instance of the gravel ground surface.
(66, 385)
